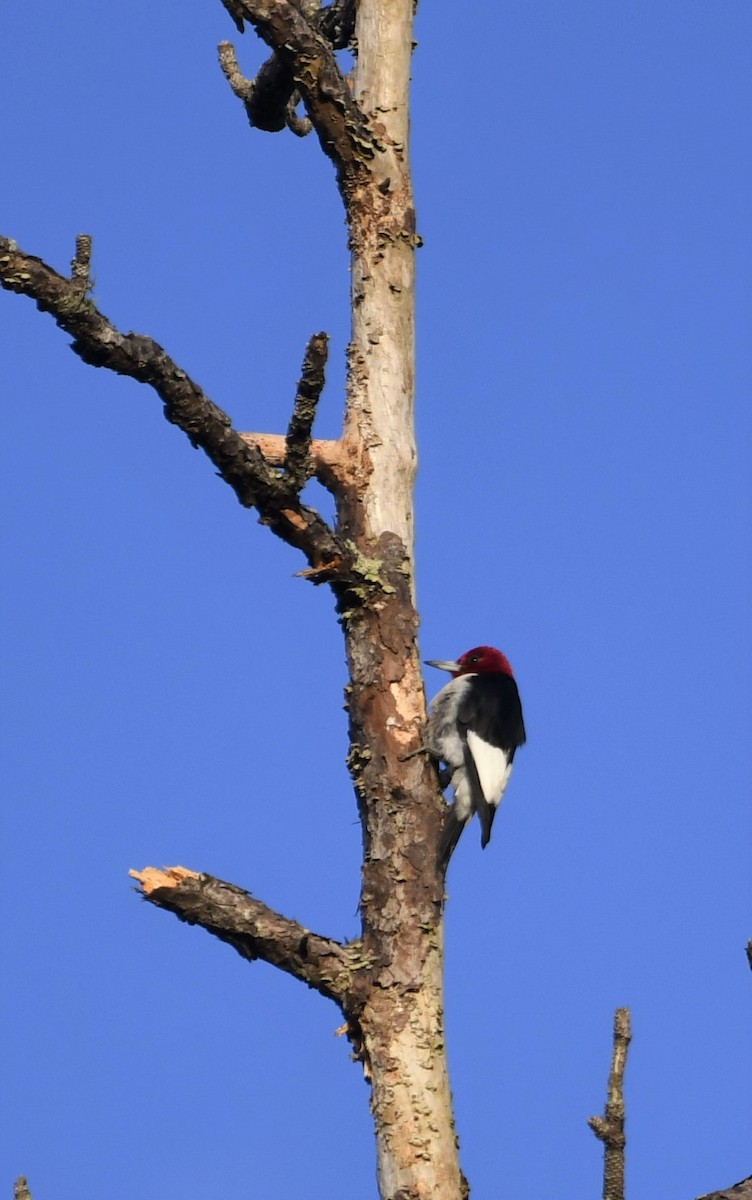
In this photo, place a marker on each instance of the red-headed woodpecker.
(474, 726)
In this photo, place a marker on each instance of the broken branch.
(334, 465)
(253, 929)
(81, 264)
(271, 98)
(609, 1128)
(298, 462)
(300, 126)
(738, 1191)
(98, 342)
(303, 59)
(267, 96)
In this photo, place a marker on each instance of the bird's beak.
(454, 667)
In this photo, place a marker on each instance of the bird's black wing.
(493, 711)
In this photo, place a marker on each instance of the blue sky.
(173, 694)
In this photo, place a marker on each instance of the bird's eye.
(473, 658)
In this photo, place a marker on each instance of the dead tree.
(388, 983)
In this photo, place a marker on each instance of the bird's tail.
(485, 824)
(450, 836)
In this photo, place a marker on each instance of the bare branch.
(738, 1191)
(298, 461)
(300, 126)
(242, 87)
(337, 23)
(255, 930)
(81, 264)
(610, 1127)
(239, 462)
(266, 97)
(21, 1189)
(236, 12)
(303, 59)
(334, 463)
(271, 98)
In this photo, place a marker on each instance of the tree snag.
(609, 1128)
(388, 983)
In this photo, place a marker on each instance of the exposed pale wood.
(97, 341)
(334, 463)
(152, 878)
(258, 932)
(382, 227)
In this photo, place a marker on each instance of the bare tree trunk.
(381, 216)
(401, 901)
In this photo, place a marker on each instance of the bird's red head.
(483, 660)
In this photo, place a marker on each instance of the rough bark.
(255, 930)
(737, 1191)
(609, 1128)
(402, 889)
(272, 488)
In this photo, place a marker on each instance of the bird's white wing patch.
(492, 765)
